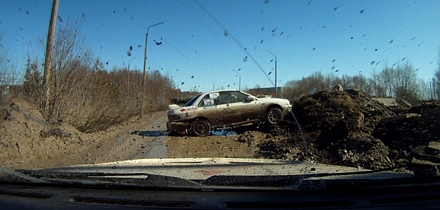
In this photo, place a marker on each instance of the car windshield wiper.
(321, 181)
(8, 175)
(110, 179)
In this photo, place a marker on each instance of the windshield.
(191, 101)
(345, 83)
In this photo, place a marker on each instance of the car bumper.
(286, 110)
(178, 127)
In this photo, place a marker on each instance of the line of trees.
(83, 92)
(436, 81)
(89, 97)
(399, 81)
(9, 75)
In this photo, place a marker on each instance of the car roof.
(216, 91)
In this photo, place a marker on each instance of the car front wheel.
(200, 127)
(274, 116)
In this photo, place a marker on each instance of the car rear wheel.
(274, 116)
(200, 127)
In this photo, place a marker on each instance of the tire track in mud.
(146, 140)
(149, 139)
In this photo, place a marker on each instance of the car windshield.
(191, 101)
(282, 82)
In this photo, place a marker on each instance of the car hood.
(173, 106)
(209, 173)
(203, 168)
(279, 100)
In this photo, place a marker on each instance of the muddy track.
(148, 139)
(144, 138)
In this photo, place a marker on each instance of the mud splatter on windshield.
(355, 73)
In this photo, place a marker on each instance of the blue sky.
(211, 40)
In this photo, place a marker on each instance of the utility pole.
(47, 81)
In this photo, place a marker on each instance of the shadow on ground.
(166, 133)
(150, 133)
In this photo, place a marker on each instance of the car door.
(209, 107)
(236, 108)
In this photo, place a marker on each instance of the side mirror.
(250, 98)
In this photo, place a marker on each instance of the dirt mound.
(403, 135)
(425, 106)
(27, 140)
(345, 128)
(347, 112)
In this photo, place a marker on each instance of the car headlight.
(174, 117)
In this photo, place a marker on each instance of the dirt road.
(28, 142)
(147, 138)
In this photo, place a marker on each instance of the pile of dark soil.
(348, 128)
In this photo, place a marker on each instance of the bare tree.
(425, 92)
(401, 82)
(360, 82)
(69, 65)
(398, 82)
(315, 82)
(9, 76)
(32, 84)
(436, 80)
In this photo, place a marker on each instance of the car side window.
(210, 100)
(225, 97)
(232, 97)
(238, 97)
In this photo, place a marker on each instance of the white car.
(224, 109)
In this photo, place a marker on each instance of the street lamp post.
(239, 81)
(213, 84)
(145, 53)
(276, 73)
(128, 75)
